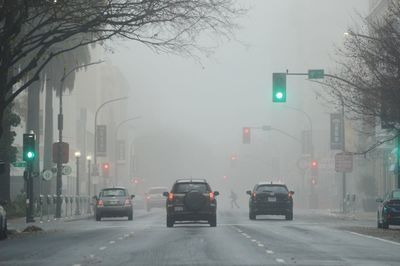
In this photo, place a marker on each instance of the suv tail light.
(100, 203)
(127, 202)
(212, 197)
(170, 196)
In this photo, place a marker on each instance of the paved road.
(307, 240)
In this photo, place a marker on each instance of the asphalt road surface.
(307, 240)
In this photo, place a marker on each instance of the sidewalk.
(18, 225)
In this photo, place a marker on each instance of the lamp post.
(88, 159)
(77, 156)
(117, 145)
(60, 137)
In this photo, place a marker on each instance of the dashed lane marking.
(102, 248)
(120, 238)
(260, 245)
(375, 238)
(280, 260)
(112, 242)
(269, 252)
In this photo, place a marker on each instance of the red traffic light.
(233, 158)
(105, 167)
(246, 135)
(314, 164)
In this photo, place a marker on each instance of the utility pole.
(77, 210)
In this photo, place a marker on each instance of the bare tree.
(33, 32)
(370, 70)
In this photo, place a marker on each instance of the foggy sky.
(193, 113)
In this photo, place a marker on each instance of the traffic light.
(279, 87)
(105, 168)
(246, 135)
(314, 168)
(29, 152)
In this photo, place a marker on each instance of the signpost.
(344, 162)
(19, 164)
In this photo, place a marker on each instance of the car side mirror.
(379, 200)
(165, 194)
(248, 192)
(132, 196)
(291, 192)
(216, 193)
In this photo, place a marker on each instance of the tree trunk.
(48, 134)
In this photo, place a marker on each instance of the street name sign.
(316, 74)
(344, 162)
(19, 164)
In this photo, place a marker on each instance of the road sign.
(19, 164)
(101, 140)
(66, 170)
(316, 74)
(344, 162)
(64, 152)
(47, 175)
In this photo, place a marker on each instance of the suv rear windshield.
(114, 192)
(271, 188)
(186, 187)
(157, 190)
(396, 194)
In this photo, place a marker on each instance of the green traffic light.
(30, 155)
(279, 87)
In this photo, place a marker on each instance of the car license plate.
(178, 208)
(271, 199)
(113, 202)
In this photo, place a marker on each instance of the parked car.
(191, 200)
(270, 199)
(154, 198)
(3, 221)
(389, 210)
(114, 202)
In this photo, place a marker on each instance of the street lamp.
(88, 159)
(117, 144)
(77, 156)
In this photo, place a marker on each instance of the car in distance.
(191, 200)
(114, 202)
(389, 210)
(270, 199)
(3, 222)
(154, 198)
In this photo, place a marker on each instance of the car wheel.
(98, 217)
(289, 216)
(130, 216)
(252, 215)
(170, 222)
(379, 224)
(213, 221)
(385, 224)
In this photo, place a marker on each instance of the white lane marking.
(260, 245)
(102, 248)
(91, 256)
(76, 265)
(112, 242)
(269, 252)
(126, 235)
(280, 260)
(120, 238)
(375, 238)
(253, 240)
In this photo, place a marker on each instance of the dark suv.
(272, 199)
(191, 200)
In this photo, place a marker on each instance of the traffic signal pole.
(29, 187)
